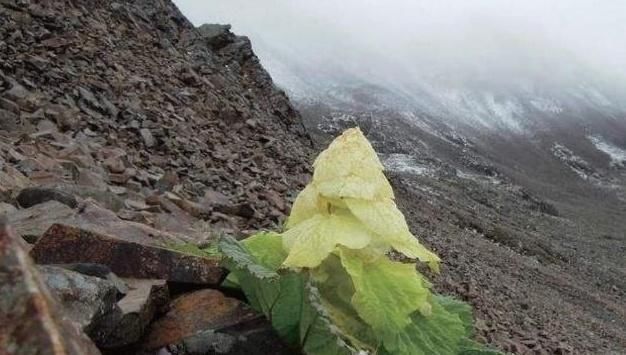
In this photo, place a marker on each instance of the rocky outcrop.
(129, 141)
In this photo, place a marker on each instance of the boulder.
(31, 321)
(69, 244)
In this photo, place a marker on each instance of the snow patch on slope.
(617, 154)
(404, 163)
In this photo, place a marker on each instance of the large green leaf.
(286, 298)
(386, 292)
(440, 333)
(278, 297)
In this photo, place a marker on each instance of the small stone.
(115, 165)
(148, 139)
(6, 209)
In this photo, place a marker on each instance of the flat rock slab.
(31, 321)
(63, 244)
(33, 222)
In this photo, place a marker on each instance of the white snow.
(404, 163)
(617, 154)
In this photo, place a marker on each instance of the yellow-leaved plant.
(326, 282)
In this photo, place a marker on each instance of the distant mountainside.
(525, 173)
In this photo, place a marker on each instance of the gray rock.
(100, 271)
(88, 301)
(6, 209)
(9, 121)
(148, 138)
(33, 222)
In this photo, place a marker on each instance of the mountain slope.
(190, 104)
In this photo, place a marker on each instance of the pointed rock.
(31, 321)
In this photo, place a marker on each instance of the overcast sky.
(402, 38)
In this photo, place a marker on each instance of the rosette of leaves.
(327, 284)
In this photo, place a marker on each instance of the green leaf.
(386, 292)
(267, 248)
(237, 257)
(440, 333)
(336, 290)
(311, 241)
(290, 303)
(278, 297)
(460, 309)
(318, 334)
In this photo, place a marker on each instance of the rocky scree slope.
(152, 101)
(129, 140)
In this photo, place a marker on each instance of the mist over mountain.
(496, 64)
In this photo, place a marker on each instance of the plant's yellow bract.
(348, 181)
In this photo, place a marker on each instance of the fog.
(398, 42)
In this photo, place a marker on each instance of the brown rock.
(30, 319)
(196, 312)
(66, 244)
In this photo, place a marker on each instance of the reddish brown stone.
(63, 244)
(30, 322)
(196, 312)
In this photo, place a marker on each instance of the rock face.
(30, 318)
